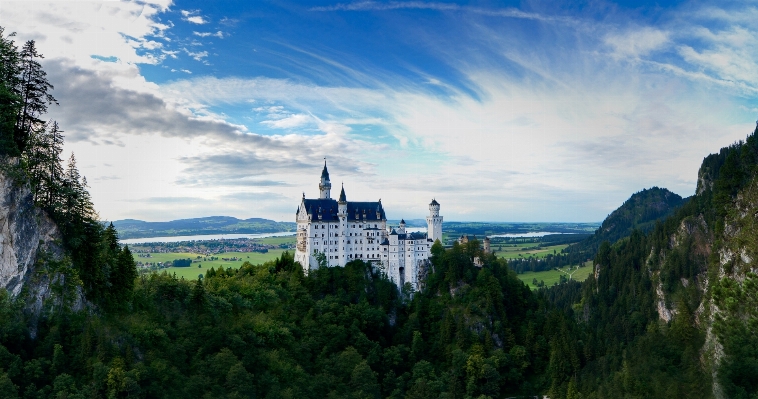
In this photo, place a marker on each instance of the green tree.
(34, 95)
(10, 99)
(7, 388)
(123, 276)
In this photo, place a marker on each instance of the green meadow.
(277, 240)
(203, 264)
(551, 277)
(515, 251)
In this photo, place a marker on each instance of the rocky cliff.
(29, 242)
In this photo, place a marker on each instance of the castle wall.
(325, 227)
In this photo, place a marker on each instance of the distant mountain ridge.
(641, 211)
(132, 228)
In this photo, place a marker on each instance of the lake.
(527, 235)
(226, 236)
(204, 237)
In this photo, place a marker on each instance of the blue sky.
(503, 111)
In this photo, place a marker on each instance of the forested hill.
(641, 211)
(672, 312)
(130, 228)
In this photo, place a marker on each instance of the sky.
(502, 111)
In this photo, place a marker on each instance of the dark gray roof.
(417, 235)
(343, 198)
(411, 236)
(325, 173)
(369, 209)
(326, 206)
(434, 201)
(329, 209)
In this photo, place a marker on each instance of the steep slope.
(673, 313)
(30, 247)
(641, 211)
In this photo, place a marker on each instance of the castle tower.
(434, 222)
(401, 228)
(325, 187)
(487, 248)
(342, 203)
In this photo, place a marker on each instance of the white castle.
(344, 230)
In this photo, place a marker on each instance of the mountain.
(675, 308)
(131, 228)
(641, 211)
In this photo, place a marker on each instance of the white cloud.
(120, 29)
(196, 55)
(218, 34)
(197, 20)
(568, 136)
(437, 6)
(171, 54)
(289, 122)
(192, 17)
(637, 42)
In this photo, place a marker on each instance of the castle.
(340, 231)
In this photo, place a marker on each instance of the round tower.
(434, 222)
(325, 187)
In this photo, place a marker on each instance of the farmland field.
(551, 277)
(203, 264)
(277, 240)
(515, 251)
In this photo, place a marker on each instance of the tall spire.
(343, 198)
(325, 173)
(325, 186)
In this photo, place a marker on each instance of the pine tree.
(53, 168)
(127, 271)
(33, 89)
(110, 237)
(10, 100)
(77, 204)
(122, 278)
(35, 158)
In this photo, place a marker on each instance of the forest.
(472, 331)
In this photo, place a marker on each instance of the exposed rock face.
(26, 233)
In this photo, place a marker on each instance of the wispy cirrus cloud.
(196, 55)
(436, 6)
(218, 34)
(529, 113)
(637, 42)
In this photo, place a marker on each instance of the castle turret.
(401, 228)
(434, 222)
(487, 248)
(342, 203)
(325, 187)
